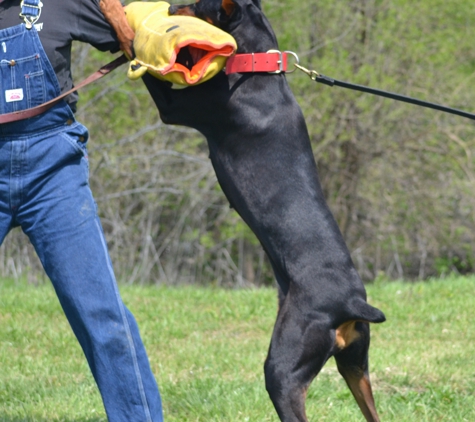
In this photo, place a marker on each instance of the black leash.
(317, 77)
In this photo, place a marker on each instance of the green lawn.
(207, 348)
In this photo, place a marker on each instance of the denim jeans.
(44, 189)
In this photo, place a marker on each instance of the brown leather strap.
(32, 112)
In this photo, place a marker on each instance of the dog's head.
(215, 12)
(243, 19)
(207, 106)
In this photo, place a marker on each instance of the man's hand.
(114, 14)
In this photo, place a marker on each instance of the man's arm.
(113, 11)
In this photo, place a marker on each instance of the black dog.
(260, 149)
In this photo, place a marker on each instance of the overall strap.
(30, 11)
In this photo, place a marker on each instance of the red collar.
(274, 61)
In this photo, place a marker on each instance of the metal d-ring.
(297, 61)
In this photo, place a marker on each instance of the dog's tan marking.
(346, 334)
(185, 11)
(360, 386)
(228, 6)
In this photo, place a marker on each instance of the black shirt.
(60, 23)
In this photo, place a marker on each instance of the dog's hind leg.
(297, 353)
(352, 363)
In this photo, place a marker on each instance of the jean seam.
(73, 142)
(28, 92)
(29, 82)
(13, 79)
(47, 132)
(129, 335)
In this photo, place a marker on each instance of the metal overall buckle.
(30, 18)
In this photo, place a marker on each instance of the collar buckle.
(280, 62)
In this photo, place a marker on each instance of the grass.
(207, 348)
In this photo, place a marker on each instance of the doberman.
(260, 150)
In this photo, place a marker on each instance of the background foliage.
(398, 178)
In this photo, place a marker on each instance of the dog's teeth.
(197, 54)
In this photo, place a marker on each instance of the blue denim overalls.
(44, 188)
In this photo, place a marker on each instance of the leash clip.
(30, 18)
(313, 74)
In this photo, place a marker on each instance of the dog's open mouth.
(192, 59)
(188, 56)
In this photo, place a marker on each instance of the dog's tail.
(361, 310)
